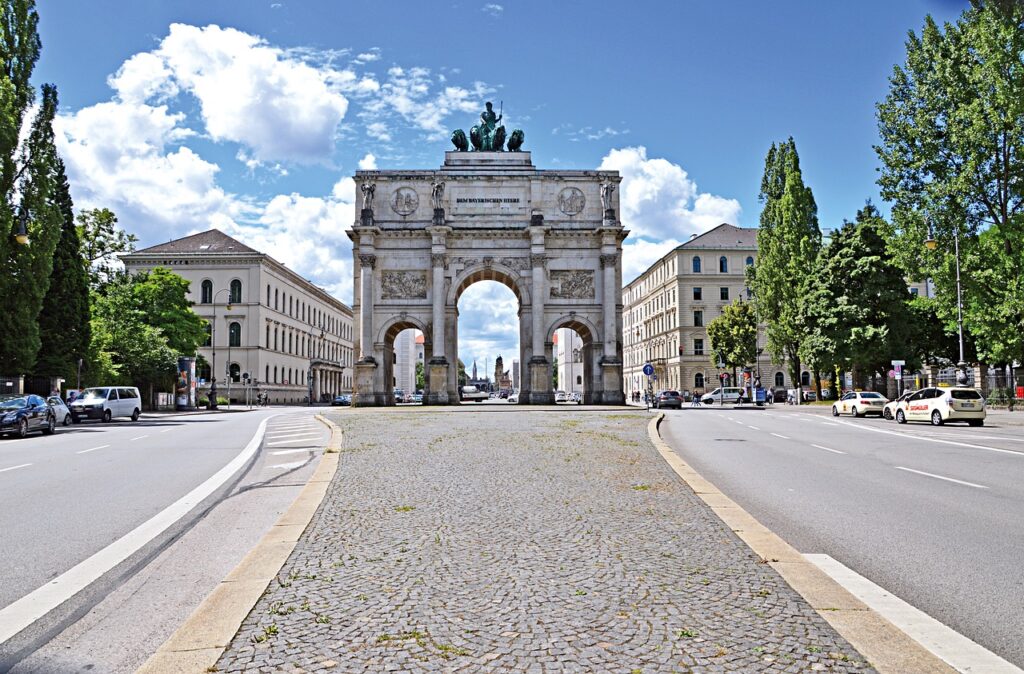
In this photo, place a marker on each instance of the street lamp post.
(21, 227)
(932, 244)
(312, 353)
(213, 345)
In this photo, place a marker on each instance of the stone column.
(366, 265)
(540, 365)
(608, 264)
(440, 264)
(611, 364)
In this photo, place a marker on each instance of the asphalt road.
(65, 497)
(934, 515)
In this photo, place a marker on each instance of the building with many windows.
(271, 330)
(667, 308)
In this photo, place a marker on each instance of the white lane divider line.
(92, 449)
(18, 615)
(292, 451)
(753, 427)
(954, 648)
(829, 423)
(290, 442)
(287, 466)
(780, 436)
(139, 437)
(942, 477)
(168, 430)
(836, 451)
(927, 439)
(292, 435)
(24, 465)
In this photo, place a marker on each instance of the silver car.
(59, 409)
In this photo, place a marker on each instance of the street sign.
(899, 363)
(648, 369)
(654, 377)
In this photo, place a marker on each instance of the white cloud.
(368, 56)
(639, 254)
(488, 326)
(492, 9)
(658, 200)
(408, 92)
(368, 163)
(379, 130)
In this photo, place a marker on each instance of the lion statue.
(515, 141)
(459, 140)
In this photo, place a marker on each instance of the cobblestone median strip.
(887, 647)
(529, 542)
(200, 641)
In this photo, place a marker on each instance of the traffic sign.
(899, 363)
(648, 369)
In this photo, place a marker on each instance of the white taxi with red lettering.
(939, 405)
(860, 403)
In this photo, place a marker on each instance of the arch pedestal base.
(437, 378)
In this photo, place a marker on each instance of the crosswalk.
(291, 436)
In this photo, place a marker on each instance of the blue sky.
(249, 115)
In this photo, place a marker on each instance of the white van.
(729, 394)
(107, 402)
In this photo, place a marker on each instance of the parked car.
(341, 401)
(472, 394)
(576, 397)
(513, 397)
(939, 405)
(107, 402)
(61, 410)
(860, 403)
(728, 394)
(417, 398)
(21, 415)
(889, 411)
(561, 397)
(399, 395)
(668, 399)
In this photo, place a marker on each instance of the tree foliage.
(952, 154)
(788, 243)
(733, 335)
(102, 240)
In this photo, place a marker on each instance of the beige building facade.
(667, 308)
(271, 331)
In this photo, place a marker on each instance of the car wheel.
(900, 417)
(856, 413)
(106, 416)
(886, 414)
(135, 414)
(936, 418)
(22, 428)
(51, 426)
(835, 411)
(67, 419)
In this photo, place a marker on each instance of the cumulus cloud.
(368, 163)
(488, 326)
(639, 254)
(410, 92)
(368, 56)
(492, 9)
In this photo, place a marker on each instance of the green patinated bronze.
(488, 135)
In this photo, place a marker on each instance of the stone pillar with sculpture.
(437, 365)
(611, 361)
(540, 366)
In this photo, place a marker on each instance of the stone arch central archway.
(424, 237)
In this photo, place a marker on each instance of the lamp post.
(932, 244)
(312, 353)
(213, 345)
(21, 226)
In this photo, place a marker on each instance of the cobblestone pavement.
(523, 541)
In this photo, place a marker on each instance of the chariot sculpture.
(488, 135)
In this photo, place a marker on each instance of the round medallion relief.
(405, 201)
(571, 200)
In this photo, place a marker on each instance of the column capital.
(609, 260)
(538, 259)
(367, 260)
(439, 260)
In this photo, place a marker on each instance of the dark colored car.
(668, 399)
(20, 415)
(341, 401)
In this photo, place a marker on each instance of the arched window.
(236, 292)
(696, 264)
(209, 334)
(275, 299)
(750, 261)
(723, 265)
(268, 295)
(291, 343)
(275, 374)
(268, 336)
(780, 379)
(236, 372)
(266, 377)
(203, 371)
(579, 379)
(698, 380)
(291, 309)
(275, 345)
(235, 334)
(805, 378)
(207, 294)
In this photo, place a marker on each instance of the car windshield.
(674, 394)
(870, 395)
(12, 403)
(54, 400)
(965, 394)
(95, 393)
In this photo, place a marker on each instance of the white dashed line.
(780, 436)
(24, 465)
(92, 449)
(286, 442)
(754, 428)
(167, 430)
(289, 451)
(828, 450)
(940, 477)
(828, 423)
(286, 466)
(926, 439)
(292, 435)
(139, 438)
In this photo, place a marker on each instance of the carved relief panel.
(572, 284)
(403, 285)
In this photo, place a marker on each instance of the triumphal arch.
(423, 236)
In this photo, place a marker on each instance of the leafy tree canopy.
(102, 240)
(733, 335)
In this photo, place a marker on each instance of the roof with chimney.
(724, 236)
(210, 241)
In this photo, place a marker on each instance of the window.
(235, 372)
(275, 374)
(914, 292)
(207, 294)
(203, 371)
(268, 336)
(750, 261)
(698, 347)
(698, 319)
(780, 379)
(696, 264)
(235, 334)
(275, 345)
(723, 265)
(275, 302)
(236, 292)
(723, 294)
(698, 294)
(268, 295)
(209, 334)
(266, 377)
(698, 380)
(805, 378)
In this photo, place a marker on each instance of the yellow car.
(939, 405)
(860, 403)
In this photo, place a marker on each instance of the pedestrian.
(770, 396)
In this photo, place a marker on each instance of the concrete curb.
(199, 642)
(884, 645)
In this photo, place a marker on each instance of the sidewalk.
(525, 542)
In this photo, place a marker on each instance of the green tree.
(102, 240)
(421, 382)
(461, 373)
(64, 329)
(27, 268)
(952, 155)
(733, 335)
(788, 242)
(162, 297)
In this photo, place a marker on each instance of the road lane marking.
(828, 450)
(954, 648)
(168, 430)
(927, 439)
(829, 423)
(292, 435)
(288, 466)
(754, 428)
(24, 465)
(941, 477)
(780, 436)
(290, 451)
(18, 615)
(92, 449)
(288, 442)
(139, 438)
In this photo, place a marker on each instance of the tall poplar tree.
(788, 242)
(64, 319)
